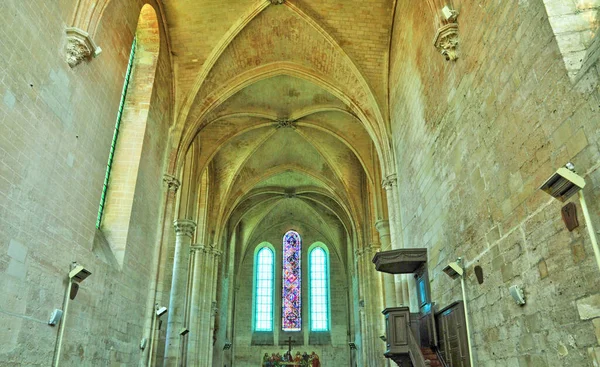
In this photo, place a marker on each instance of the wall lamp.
(563, 184)
(77, 274)
(455, 270)
(352, 346)
(160, 310)
(227, 345)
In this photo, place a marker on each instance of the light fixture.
(160, 310)
(77, 274)
(352, 346)
(55, 317)
(227, 345)
(455, 270)
(449, 14)
(563, 184)
(517, 294)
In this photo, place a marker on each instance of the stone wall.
(474, 140)
(57, 124)
(336, 352)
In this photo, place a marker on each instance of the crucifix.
(290, 341)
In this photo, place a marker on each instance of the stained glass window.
(263, 291)
(319, 289)
(292, 310)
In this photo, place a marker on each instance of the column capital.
(172, 182)
(373, 247)
(198, 247)
(389, 181)
(184, 227)
(359, 252)
(383, 227)
(216, 252)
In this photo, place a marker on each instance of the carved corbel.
(389, 182)
(80, 46)
(172, 182)
(446, 41)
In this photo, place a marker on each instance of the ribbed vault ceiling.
(245, 68)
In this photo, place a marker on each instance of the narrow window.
(263, 292)
(113, 145)
(292, 310)
(319, 289)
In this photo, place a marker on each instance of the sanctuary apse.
(214, 183)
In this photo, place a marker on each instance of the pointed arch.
(318, 288)
(119, 186)
(264, 287)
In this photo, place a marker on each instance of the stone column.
(383, 227)
(206, 309)
(217, 257)
(362, 289)
(390, 184)
(198, 255)
(375, 306)
(184, 231)
(158, 285)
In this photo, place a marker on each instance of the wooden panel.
(400, 328)
(453, 336)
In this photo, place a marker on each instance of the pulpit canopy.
(402, 261)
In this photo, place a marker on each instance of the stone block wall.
(474, 139)
(57, 125)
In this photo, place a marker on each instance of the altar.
(299, 359)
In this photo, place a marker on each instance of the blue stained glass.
(264, 285)
(319, 290)
(291, 296)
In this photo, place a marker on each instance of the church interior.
(300, 183)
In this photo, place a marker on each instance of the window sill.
(262, 338)
(319, 338)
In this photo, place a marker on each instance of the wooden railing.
(414, 350)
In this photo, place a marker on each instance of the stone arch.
(128, 144)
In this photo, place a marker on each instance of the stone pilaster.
(390, 184)
(383, 227)
(184, 232)
(362, 295)
(376, 305)
(206, 312)
(372, 320)
(213, 310)
(198, 254)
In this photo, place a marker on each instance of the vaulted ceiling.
(287, 104)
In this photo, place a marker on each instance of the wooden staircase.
(430, 356)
